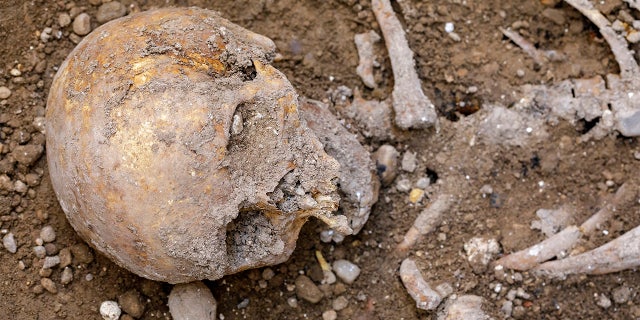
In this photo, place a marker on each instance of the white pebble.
(47, 234)
(109, 310)
(50, 262)
(67, 276)
(9, 243)
(15, 72)
(39, 251)
(5, 92)
(346, 271)
(449, 27)
(329, 315)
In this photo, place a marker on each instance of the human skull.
(177, 150)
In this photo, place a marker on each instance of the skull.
(177, 150)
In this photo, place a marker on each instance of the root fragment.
(413, 109)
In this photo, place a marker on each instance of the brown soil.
(315, 39)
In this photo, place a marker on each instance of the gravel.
(109, 310)
(192, 301)
(49, 285)
(110, 10)
(47, 234)
(131, 302)
(346, 270)
(307, 290)
(603, 302)
(50, 262)
(67, 276)
(409, 161)
(621, 294)
(40, 251)
(27, 154)
(340, 303)
(65, 257)
(329, 315)
(9, 243)
(82, 24)
(64, 19)
(5, 92)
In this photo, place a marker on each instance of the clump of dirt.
(317, 54)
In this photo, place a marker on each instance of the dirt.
(318, 54)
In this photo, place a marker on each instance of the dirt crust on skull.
(177, 150)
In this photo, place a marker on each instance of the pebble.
(329, 315)
(110, 10)
(47, 234)
(45, 273)
(40, 251)
(633, 36)
(82, 253)
(416, 195)
(64, 19)
(49, 285)
(268, 274)
(27, 154)
(307, 290)
(192, 301)
(67, 276)
(51, 249)
(480, 252)
(65, 257)
(386, 159)
(50, 262)
(82, 24)
(423, 183)
(109, 310)
(292, 302)
(403, 185)
(408, 161)
(20, 187)
(9, 243)
(507, 308)
(5, 92)
(346, 270)
(340, 303)
(604, 302)
(243, 304)
(131, 302)
(15, 72)
(621, 294)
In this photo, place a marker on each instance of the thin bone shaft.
(628, 66)
(413, 109)
(619, 254)
(426, 222)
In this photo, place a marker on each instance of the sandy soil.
(315, 39)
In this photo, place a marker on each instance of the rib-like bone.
(628, 65)
(413, 109)
(364, 44)
(563, 241)
(426, 221)
(425, 297)
(619, 254)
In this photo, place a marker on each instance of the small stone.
(45, 273)
(51, 249)
(507, 308)
(192, 301)
(67, 276)
(346, 271)
(47, 234)
(82, 24)
(64, 19)
(409, 161)
(27, 154)
(20, 187)
(37, 289)
(403, 185)
(243, 304)
(468, 307)
(386, 158)
(4, 92)
(268, 274)
(131, 302)
(15, 72)
(82, 253)
(520, 73)
(40, 251)
(480, 252)
(486, 190)
(520, 293)
(21, 265)
(423, 183)
(555, 15)
(329, 315)
(49, 285)
(65, 257)
(307, 290)
(292, 302)
(416, 195)
(621, 294)
(110, 10)
(604, 302)
(9, 243)
(50, 262)
(340, 303)
(109, 310)
(633, 36)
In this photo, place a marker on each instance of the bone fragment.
(364, 44)
(619, 254)
(628, 66)
(633, 4)
(425, 297)
(413, 109)
(539, 56)
(359, 182)
(562, 242)
(467, 307)
(192, 301)
(426, 222)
